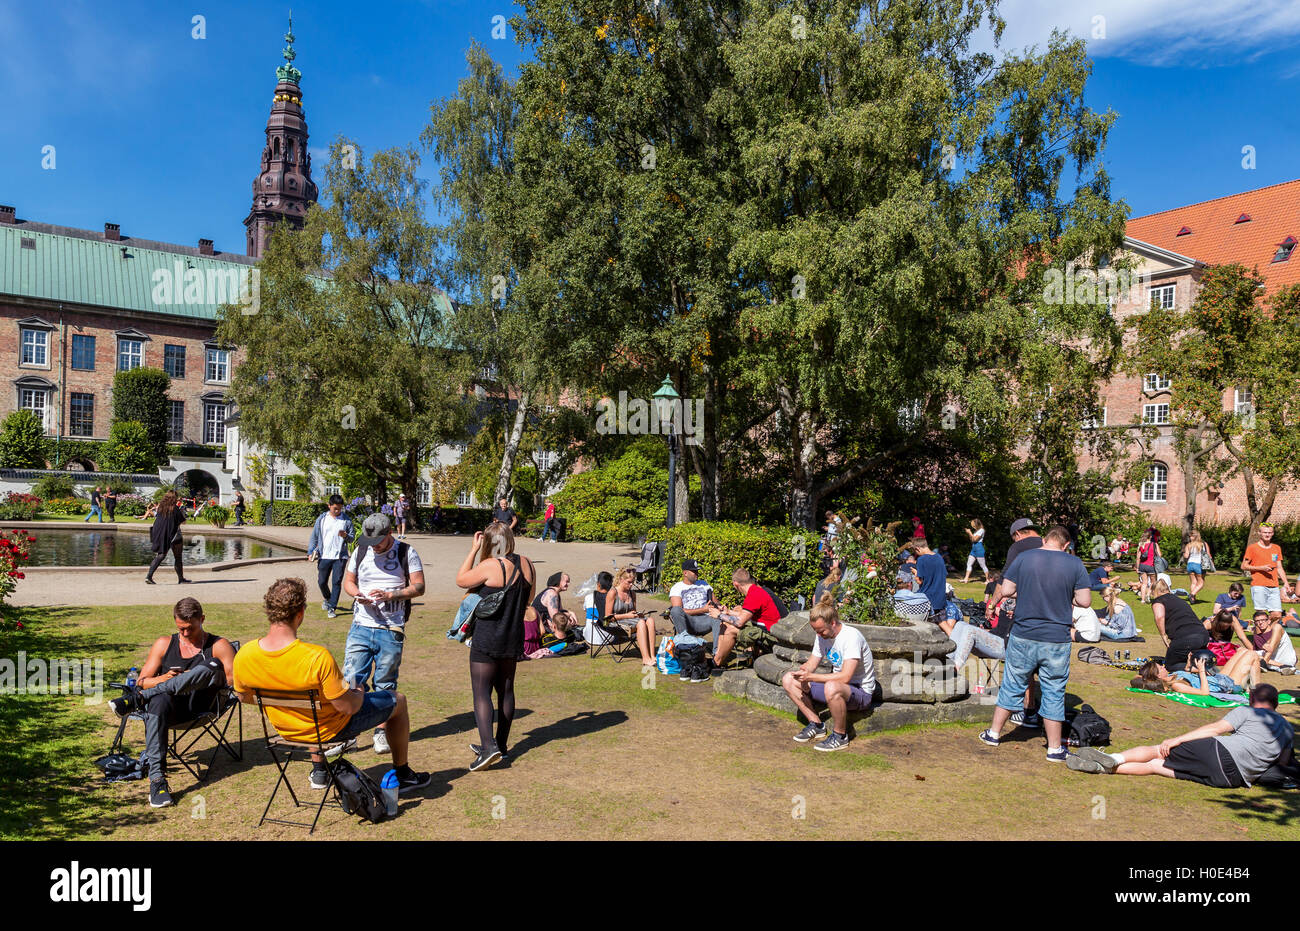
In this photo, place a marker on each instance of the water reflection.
(59, 547)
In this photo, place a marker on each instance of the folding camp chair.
(614, 639)
(300, 749)
(214, 722)
(647, 570)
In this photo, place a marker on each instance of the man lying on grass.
(282, 662)
(847, 687)
(1230, 753)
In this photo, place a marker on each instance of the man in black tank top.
(184, 676)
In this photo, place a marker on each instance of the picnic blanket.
(1210, 701)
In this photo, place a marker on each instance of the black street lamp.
(665, 400)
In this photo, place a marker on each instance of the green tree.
(129, 448)
(140, 396)
(22, 441)
(349, 360)
(1231, 344)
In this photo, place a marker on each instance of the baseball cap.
(1023, 523)
(690, 565)
(376, 527)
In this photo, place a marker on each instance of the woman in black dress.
(166, 535)
(1179, 627)
(492, 566)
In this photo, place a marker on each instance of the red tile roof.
(1217, 238)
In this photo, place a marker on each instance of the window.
(283, 488)
(83, 353)
(1163, 296)
(36, 346)
(1154, 382)
(218, 367)
(545, 461)
(1155, 414)
(1243, 401)
(1156, 487)
(424, 493)
(332, 488)
(460, 447)
(81, 417)
(130, 354)
(176, 422)
(214, 424)
(1093, 422)
(488, 372)
(174, 361)
(35, 400)
(1284, 249)
(464, 499)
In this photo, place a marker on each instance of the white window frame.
(1243, 396)
(136, 354)
(1154, 381)
(216, 436)
(283, 490)
(39, 344)
(424, 493)
(331, 488)
(1155, 490)
(465, 499)
(1151, 415)
(36, 400)
(218, 360)
(1165, 295)
(1090, 423)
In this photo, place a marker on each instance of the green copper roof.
(287, 72)
(77, 269)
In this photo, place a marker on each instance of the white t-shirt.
(692, 596)
(1087, 624)
(331, 545)
(382, 571)
(979, 535)
(848, 644)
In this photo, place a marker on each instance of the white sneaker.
(381, 740)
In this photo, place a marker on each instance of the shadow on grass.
(576, 725)
(1280, 807)
(462, 723)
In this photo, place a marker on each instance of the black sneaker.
(412, 781)
(159, 797)
(833, 742)
(485, 759)
(320, 778)
(505, 754)
(811, 732)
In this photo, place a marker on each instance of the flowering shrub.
(19, 506)
(65, 506)
(15, 550)
(131, 505)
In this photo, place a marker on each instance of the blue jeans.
(462, 615)
(376, 708)
(550, 529)
(1052, 663)
(1122, 625)
(977, 640)
(94, 510)
(329, 576)
(380, 646)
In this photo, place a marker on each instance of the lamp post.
(269, 521)
(665, 400)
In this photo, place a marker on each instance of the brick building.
(1258, 229)
(78, 306)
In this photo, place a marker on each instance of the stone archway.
(79, 465)
(198, 484)
(212, 474)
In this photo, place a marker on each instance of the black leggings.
(485, 675)
(159, 557)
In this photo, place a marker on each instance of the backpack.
(1095, 655)
(1087, 729)
(403, 551)
(693, 660)
(781, 608)
(358, 793)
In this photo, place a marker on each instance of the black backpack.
(359, 794)
(1087, 729)
(781, 608)
(693, 660)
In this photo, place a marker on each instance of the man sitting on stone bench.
(756, 608)
(691, 599)
(847, 687)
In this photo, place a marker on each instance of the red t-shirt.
(761, 607)
(550, 511)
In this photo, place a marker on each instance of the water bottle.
(131, 677)
(389, 786)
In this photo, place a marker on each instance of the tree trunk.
(1260, 507)
(681, 488)
(803, 490)
(512, 447)
(1189, 493)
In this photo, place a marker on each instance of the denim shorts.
(381, 646)
(1266, 598)
(376, 708)
(858, 699)
(1023, 658)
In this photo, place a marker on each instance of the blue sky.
(161, 132)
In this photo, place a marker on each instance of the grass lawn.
(601, 751)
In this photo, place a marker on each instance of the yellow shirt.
(296, 667)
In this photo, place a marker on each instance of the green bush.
(287, 513)
(454, 519)
(22, 441)
(55, 486)
(132, 505)
(140, 396)
(65, 506)
(19, 506)
(128, 449)
(618, 502)
(215, 514)
(783, 559)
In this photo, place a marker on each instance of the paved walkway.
(441, 555)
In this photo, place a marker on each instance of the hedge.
(287, 513)
(304, 514)
(785, 560)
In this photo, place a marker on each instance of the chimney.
(112, 232)
(6, 214)
(205, 247)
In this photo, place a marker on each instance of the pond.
(84, 547)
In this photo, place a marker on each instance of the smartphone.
(176, 669)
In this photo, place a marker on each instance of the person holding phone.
(620, 606)
(1263, 560)
(328, 545)
(182, 677)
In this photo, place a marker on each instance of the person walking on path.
(94, 506)
(400, 510)
(1196, 554)
(165, 535)
(493, 568)
(548, 524)
(110, 502)
(239, 509)
(1263, 560)
(976, 535)
(328, 545)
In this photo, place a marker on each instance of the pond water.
(84, 547)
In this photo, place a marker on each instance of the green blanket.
(1209, 701)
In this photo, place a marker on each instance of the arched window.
(275, 147)
(288, 151)
(1156, 488)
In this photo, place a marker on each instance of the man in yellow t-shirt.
(1263, 560)
(280, 661)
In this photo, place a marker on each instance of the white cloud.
(1186, 33)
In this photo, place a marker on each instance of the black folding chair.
(214, 722)
(307, 699)
(612, 638)
(647, 570)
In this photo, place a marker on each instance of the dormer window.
(1244, 218)
(1184, 232)
(1284, 249)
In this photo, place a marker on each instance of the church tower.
(283, 188)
